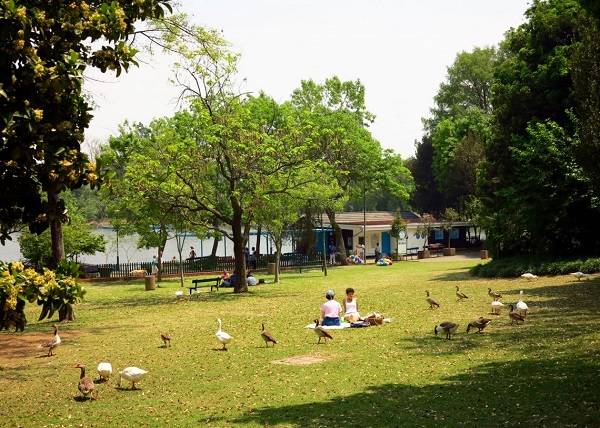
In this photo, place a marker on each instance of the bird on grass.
(579, 275)
(166, 338)
(521, 305)
(178, 294)
(496, 306)
(132, 374)
(321, 332)
(86, 384)
(529, 276)
(53, 343)
(432, 302)
(104, 370)
(267, 336)
(515, 317)
(223, 337)
(449, 328)
(479, 323)
(460, 295)
(494, 294)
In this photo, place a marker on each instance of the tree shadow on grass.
(546, 392)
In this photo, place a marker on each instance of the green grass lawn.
(542, 373)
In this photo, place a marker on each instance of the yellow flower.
(38, 114)
(17, 266)
(19, 44)
(21, 13)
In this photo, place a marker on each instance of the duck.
(86, 385)
(321, 332)
(447, 327)
(104, 370)
(496, 306)
(579, 275)
(529, 276)
(53, 343)
(494, 294)
(223, 337)
(267, 336)
(166, 338)
(132, 374)
(432, 302)
(521, 305)
(460, 295)
(515, 316)
(479, 323)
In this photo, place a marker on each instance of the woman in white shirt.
(351, 306)
(330, 310)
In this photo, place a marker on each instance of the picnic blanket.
(342, 325)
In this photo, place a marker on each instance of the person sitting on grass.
(351, 307)
(228, 280)
(250, 279)
(330, 310)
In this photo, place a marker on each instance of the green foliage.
(399, 225)
(510, 267)
(45, 48)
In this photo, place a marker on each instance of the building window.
(438, 234)
(454, 234)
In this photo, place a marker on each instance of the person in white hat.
(330, 310)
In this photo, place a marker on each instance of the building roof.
(373, 218)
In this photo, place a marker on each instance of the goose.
(86, 385)
(104, 370)
(515, 316)
(521, 305)
(460, 295)
(496, 306)
(432, 302)
(447, 327)
(494, 294)
(178, 294)
(267, 336)
(321, 332)
(53, 343)
(166, 338)
(579, 275)
(132, 374)
(529, 276)
(223, 337)
(479, 323)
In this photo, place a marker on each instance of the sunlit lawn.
(542, 373)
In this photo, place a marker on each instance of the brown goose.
(53, 343)
(460, 295)
(447, 327)
(432, 302)
(494, 294)
(267, 336)
(166, 338)
(479, 323)
(86, 385)
(515, 317)
(321, 332)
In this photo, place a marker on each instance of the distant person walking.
(192, 253)
(377, 253)
(332, 250)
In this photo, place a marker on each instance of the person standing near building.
(332, 249)
(377, 253)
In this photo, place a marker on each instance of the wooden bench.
(436, 249)
(311, 265)
(411, 252)
(196, 283)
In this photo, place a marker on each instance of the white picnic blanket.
(342, 326)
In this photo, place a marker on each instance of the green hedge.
(517, 266)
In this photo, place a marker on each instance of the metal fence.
(197, 265)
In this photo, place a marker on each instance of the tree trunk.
(258, 233)
(161, 250)
(241, 286)
(56, 232)
(278, 244)
(339, 237)
(66, 313)
(213, 252)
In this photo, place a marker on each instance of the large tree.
(44, 49)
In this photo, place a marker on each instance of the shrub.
(511, 267)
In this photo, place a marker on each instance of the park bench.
(436, 249)
(411, 252)
(310, 265)
(203, 282)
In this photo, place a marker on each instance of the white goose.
(104, 370)
(529, 276)
(496, 306)
(178, 294)
(222, 336)
(579, 275)
(132, 374)
(521, 305)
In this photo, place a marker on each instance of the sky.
(399, 50)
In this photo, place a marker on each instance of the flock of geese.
(87, 386)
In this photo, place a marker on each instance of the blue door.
(386, 245)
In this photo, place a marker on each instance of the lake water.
(128, 251)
